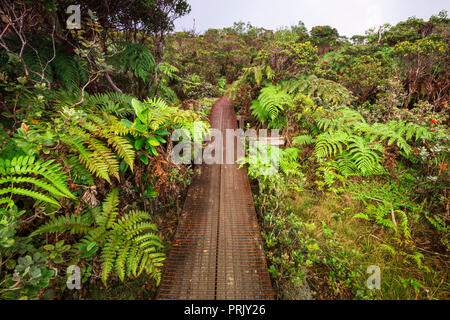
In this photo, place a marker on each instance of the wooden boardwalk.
(217, 252)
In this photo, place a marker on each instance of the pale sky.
(350, 17)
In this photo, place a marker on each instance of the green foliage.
(323, 92)
(63, 68)
(289, 59)
(9, 223)
(137, 59)
(153, 118)
(384, 164)
(55, 252)
(270, 103)
(365, 75)
(24, 176)
(259, 73)
(324, 35)
(98, 141)
(364, 155)
(129, 245)
(358, 146)
(302, 140)
(30, 277)
(384, 202)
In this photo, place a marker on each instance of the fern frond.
(324, 92)
(43, 176)
(330, 143)
(270, 103)
(37, 182)
(109, 253)
(109, 212)
(123, 148)
(74, 224)
(29, 193)
(363, 154)
(302, 140)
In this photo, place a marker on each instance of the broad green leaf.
(153, 141)
(162, 132)
(144, 159)
(139, 143)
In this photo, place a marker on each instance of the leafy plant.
(128, 241)
(29, 278)
(137, 58)
(98, 141)
(46, 180)
(269, 106)
(153, 119)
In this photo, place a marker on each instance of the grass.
(401, 276)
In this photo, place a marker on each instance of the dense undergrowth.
(86, 177)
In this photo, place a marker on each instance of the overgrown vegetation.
(86, 176)
(363, 179)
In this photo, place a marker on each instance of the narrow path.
(217, 252)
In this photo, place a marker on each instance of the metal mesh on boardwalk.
(217, 252)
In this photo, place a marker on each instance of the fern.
(403, 225)
(342, 120)
(42, 181)
(99, 143)
(330, 143)
(304, 140)
(324, 92)
(137, 58)
(111, 103)
(358, 146)
(78, 171)
(384, 202)
(115, 103)
(169, 71)
(128, 241)
(270, 103)
(255, 74)
(91, 161)
(364, 155)
(346, 166)
(389, 249)
(63, 68)
(156, 114)
(109, 212)
(73, 224)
